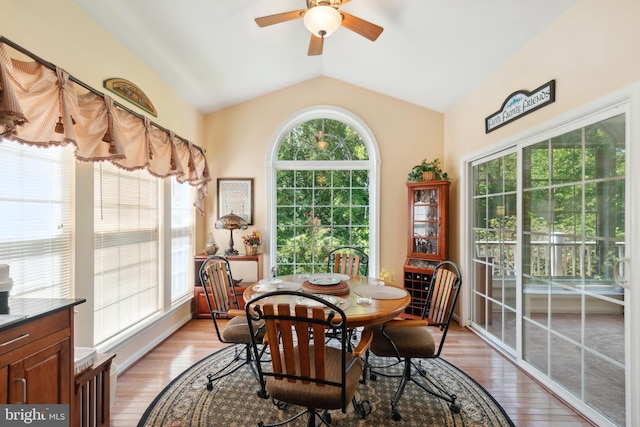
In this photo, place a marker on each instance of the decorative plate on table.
(327, 278)
(324, 280)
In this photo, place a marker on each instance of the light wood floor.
(526, 402)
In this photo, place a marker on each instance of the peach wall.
(590, 51)
(238, 137)
(63, 34)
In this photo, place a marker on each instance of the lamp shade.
(231, 222)
(322, 21)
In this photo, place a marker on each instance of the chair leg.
(373, 371)
(441, 393)
(406, 376)
(361, 408)
(250, 362)
(225, 371)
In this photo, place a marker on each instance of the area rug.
(233, 402)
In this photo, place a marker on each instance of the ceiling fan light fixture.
(322, 21)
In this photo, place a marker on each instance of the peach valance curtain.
(44, 107)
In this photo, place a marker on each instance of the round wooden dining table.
(359, 309)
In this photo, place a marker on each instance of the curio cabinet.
(428, 206)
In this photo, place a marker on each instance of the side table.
(92, 394)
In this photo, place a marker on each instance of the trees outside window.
(323, 183)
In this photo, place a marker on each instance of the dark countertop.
(25, 309)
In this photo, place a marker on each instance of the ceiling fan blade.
(315, 45)
(265, 21)
(364, 28)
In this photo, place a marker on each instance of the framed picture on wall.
(235, 195)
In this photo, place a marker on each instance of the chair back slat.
(347, 264)
(318, 345)
(304, 340)
(272, 338)
(219, 285)
(286, 337)
(348, 260)
(441, 295)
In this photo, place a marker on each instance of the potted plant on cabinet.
(427, 171)
(252, 243)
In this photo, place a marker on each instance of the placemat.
(339, 289)
(380, 292)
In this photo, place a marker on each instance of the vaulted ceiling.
(431, 52)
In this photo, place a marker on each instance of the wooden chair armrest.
(236, 312)
(364, 343)
(404, 323)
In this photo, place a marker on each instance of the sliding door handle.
(621, 280)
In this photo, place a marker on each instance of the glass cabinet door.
(425, 222)
(427, 216)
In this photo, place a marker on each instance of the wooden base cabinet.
(200, 307)
(36, 361)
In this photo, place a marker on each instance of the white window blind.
(127, 285)
(35, 219)
(182, 222)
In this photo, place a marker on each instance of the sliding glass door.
(549, 228)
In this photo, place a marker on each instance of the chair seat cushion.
(410, 341)
(310, 395)
(237, 330)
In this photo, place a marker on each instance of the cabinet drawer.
(33, 330)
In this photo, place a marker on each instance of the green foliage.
(433, 166)
(317, 209)
(573, 192)
(339, 142)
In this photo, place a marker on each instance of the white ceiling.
(431, 53)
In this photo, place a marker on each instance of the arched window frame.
(372, 165)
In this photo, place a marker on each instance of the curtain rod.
(53, 67)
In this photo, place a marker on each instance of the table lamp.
(231, 222)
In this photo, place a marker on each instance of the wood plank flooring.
(527, 403)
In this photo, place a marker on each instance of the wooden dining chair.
(348, 260)
(302, 369)
(408, 340)
(222, 300)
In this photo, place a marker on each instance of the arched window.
(324, 189)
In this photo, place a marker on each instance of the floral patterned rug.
(233, 402)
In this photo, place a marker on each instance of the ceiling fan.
(322, 18)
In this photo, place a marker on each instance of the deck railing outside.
(556, 258)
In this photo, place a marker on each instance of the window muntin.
(322, 202)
